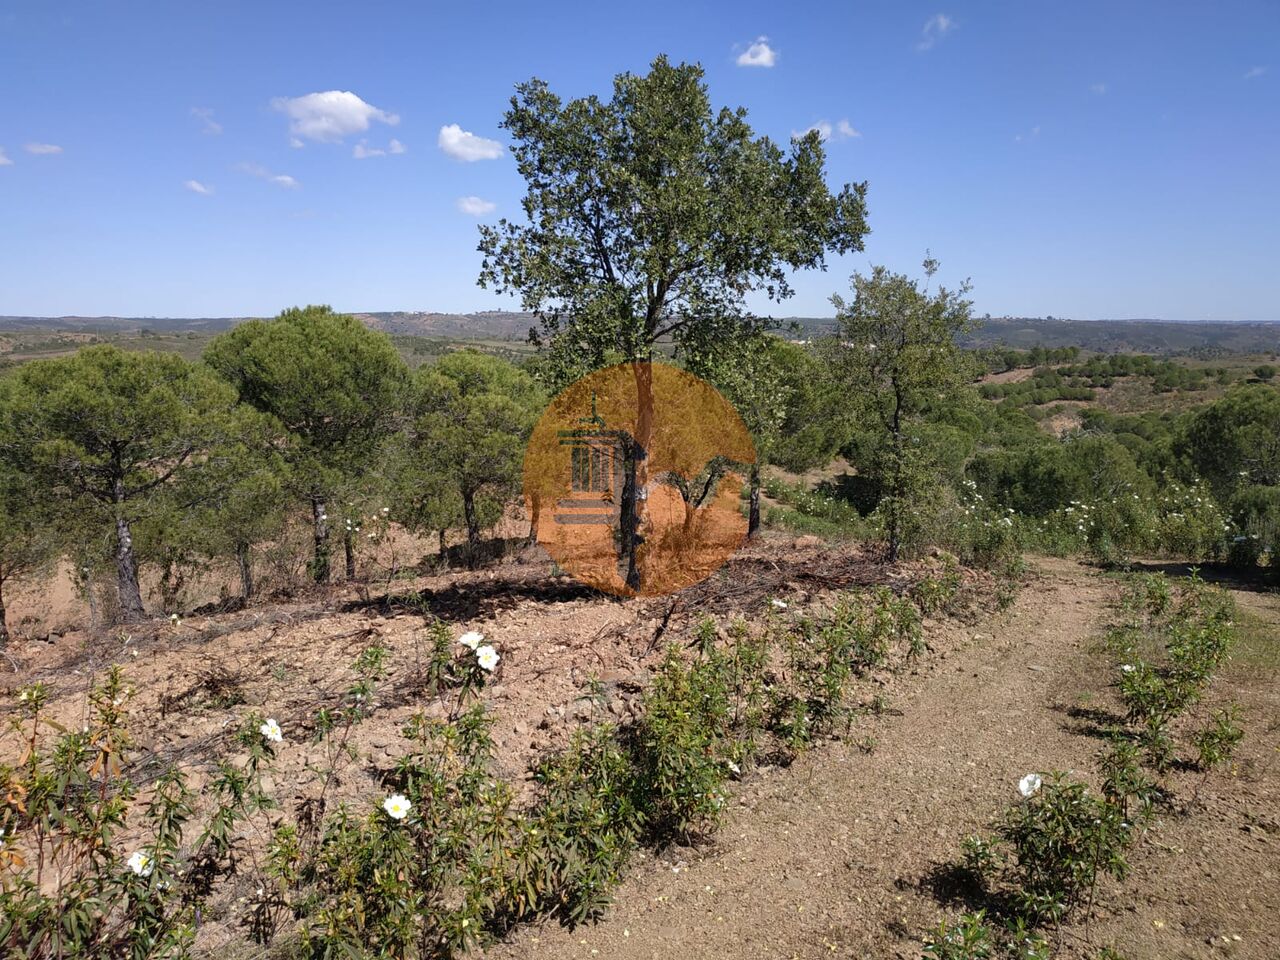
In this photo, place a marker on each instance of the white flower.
(1029, 785)
(270, 730)
(397, 806)
(386, 510)
(471, 639)
(734, 768)
(778, 604)
(487, 657)
(1128, 668)
(175, 619)
(140, 864)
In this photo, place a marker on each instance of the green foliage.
(28, 536)
(586, 824)
(472, 416)
(651, 215)
(935, 595)
(968, 939)
(68, 890)
(1231, 443)
(1255, 511)
(896, 350)
(335, 386)
(1049, 850)
(1216, 742)
(1195, 630)
(110, 438)
(682, 746)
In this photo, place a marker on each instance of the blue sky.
(1082, 159)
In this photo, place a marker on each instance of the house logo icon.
(633, 479)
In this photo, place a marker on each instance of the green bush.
(682, 746)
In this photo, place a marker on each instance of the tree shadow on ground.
(1256, 580)
(478, 600)
(952, 884)
(1095, 722)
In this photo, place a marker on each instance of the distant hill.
(1130, 336)
(121, 324)
(490, 324)
(1101, 336)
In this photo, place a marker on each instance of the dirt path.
(830, 857)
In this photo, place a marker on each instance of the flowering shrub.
(812, 504)
(441, 859)
(69, 890)
(1048, 851)
(1055, 844)
(982, 534)
(1190, 523)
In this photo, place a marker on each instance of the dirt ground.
(832, 856)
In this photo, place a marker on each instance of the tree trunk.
(131, 608)
(634, 488)
(895, 494)
(320, 561)
(535, 513)
(349, 548)
(4, 625)
(170, 586)
(244, 561)
(753, 513)
(473, 528)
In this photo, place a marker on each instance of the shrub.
(584, 825)
(1054, 845)
(70, 889)
(1216, 742)
(682, 745)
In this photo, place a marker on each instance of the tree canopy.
(650, 215)
(336, 386)
(104, 432)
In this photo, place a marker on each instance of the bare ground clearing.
(834, 856)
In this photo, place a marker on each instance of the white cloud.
(195, 186)
(758, 54)
(843, 130)
(465, 145)
(1254, 72)
(329, 116)
(1098, 88)
(207, 123)
(935, 28)
(363, 151)
(1035, 132)
(42, 149)
(4, 159)
(475, 206)
(262, 173)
